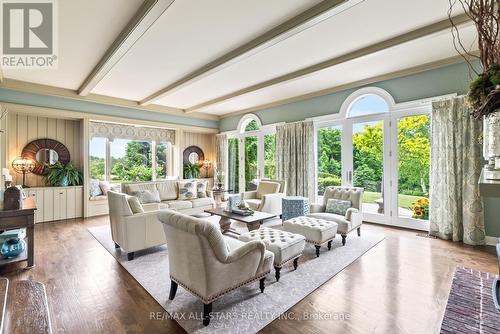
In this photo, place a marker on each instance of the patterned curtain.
(221, 151)
(295, 158)
(456, 210)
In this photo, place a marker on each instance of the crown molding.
(108, 100)
(314, 15)
(143, 19)
(440, 26)
(388, 76)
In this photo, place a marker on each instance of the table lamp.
(206, 165)
(23, 166)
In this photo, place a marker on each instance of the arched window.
(252, 126)
(248, 123)
(367, 105)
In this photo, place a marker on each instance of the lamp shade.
(23, 165)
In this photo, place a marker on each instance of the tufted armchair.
(353, 217)
(267, 197)
(133, 231)
(206, 263)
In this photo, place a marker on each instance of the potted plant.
(191, 171)
(59, 175)
(484, 91)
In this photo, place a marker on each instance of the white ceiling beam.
(314, 15)
(143, 19)
(437, 27)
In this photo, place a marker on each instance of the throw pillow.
(105, 187)
(135, 205)
(201, 189)
(187, 190)
(94, 189)
(337, 206)
(146, 196)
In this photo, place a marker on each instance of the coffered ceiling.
(219, 57)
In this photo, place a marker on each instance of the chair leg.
(295, 263)
(130, 256)
(262, 285)
(277, 273)
(317, 250)
(359, 231)
(330, 245)
(207, 310)
(343, 240)
(173, 290)
(116, 245)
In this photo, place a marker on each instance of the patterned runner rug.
(470, 306)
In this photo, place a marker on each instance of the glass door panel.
(251, 168)
(329, 158)
(368, 164)
(413, 166)
(233, 173)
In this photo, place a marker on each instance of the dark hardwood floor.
(399, 286)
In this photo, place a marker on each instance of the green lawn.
(405, 201)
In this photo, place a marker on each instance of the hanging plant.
(484, 91)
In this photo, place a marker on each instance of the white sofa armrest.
(271, 203)
(248, 247)
(315, 208)
(250, 195)
(349, 213)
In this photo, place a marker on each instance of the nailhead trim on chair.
(316, 244)
(290, 259)
(220, 294)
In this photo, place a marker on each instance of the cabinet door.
(39, 206)
(48, 205)
(60, 205)
(70, 203)
(79, 202)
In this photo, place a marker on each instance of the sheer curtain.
(295, 158)
(456, 209)
(221, 151)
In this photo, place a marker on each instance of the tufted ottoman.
(316, 231)
(286, 246)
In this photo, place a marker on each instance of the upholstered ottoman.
(286, 246)
(316, 231)
(294, 206)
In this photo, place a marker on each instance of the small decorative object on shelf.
(13, 247)
(218, 178)
(23, 166)
(7, 177)
(12, 198)
(233, 202)
(243, 212)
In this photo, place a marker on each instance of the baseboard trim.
(491, 241)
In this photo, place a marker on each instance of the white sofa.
(267, 197)
(208, 264)
(169, 195)
(353, 217)
(133, 231)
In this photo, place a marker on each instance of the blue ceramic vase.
(13, 247)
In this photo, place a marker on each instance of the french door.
(386, 154)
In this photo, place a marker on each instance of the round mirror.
(47, 156)
(193, 157)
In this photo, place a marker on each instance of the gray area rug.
(244, 310)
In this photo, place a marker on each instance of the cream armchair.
(206, 263)
(267, 197)
(133, 232)
(353, 217)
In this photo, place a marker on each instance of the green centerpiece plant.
(191, 171)
(59, 175)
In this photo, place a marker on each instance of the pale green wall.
(38, 100)
(445, 80)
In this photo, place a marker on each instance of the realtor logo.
(28, 34)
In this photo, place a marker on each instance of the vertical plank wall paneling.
(204, 141)
(23, 128)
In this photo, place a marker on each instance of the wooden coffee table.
(253, 222)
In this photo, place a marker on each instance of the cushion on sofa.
(206, 201)
(337, 206)
(344, 226)
(105, 186)
(266, 187)
(94, 189)
(146, 196)
(130, 188)
(187, 190)
(201, 189)
(135, 205)
(168, 190)
(253, 203)
(179, 205)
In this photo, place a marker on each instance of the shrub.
(324, 182)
